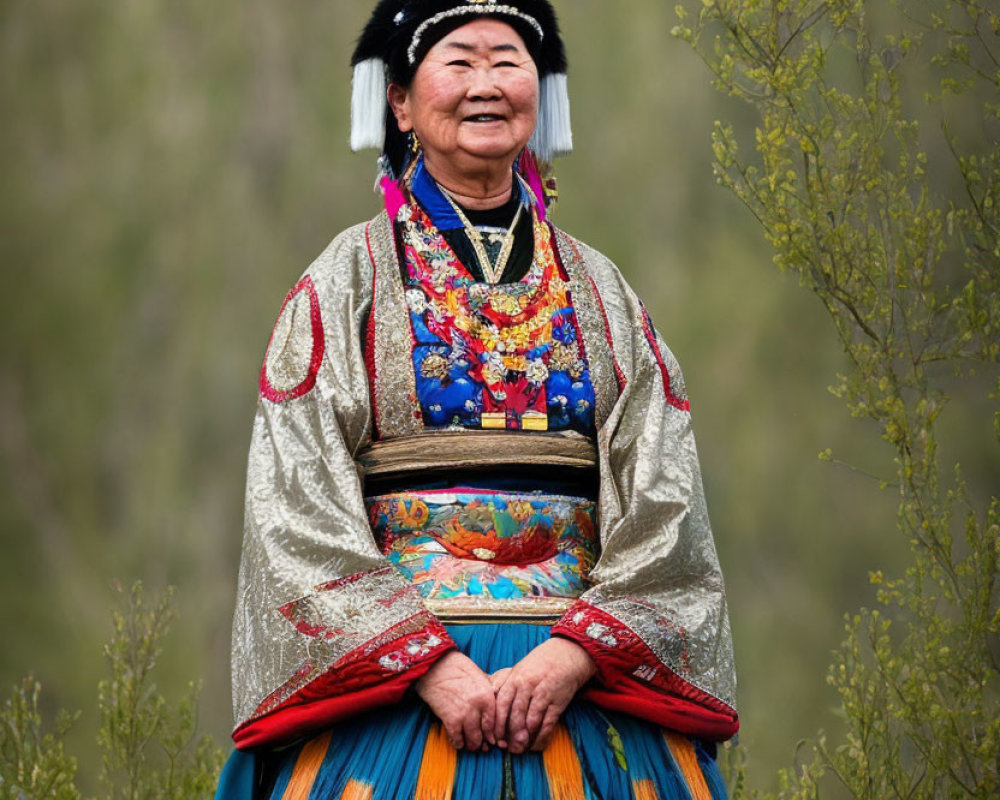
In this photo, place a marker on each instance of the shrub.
(909, 272)
(149, 750)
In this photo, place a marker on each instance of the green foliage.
(905, 257)
(135, 717)
(148, 749)
(32, 763)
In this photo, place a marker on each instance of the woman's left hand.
(532, 694)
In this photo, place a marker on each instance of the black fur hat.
(398, 36)
(400, 32)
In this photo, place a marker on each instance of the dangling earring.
(413, 151)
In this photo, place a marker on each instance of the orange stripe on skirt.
(645, 790)
(306, 768)
(562, 767)
(437, 767)
(356, 790)
(687, 760)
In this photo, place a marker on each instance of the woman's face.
(474, 97)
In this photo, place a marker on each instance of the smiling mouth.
(484, 118)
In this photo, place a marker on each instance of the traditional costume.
(440, 461)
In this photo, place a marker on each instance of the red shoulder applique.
(290, 366)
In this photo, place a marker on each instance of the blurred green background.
(170, 168)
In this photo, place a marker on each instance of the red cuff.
(630, 678)
(357, 682)
(664, 710)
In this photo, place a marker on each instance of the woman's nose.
(484, 85)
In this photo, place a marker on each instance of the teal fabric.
(236, 780)
(384, 747)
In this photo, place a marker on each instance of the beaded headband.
(473, 7)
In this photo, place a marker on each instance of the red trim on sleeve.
(619, 372)
(650, 331)
(370, 338)
(296, 721)
(674, 713)
(633, 680)
(318, 347)
(359, 681)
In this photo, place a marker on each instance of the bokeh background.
(170, 168)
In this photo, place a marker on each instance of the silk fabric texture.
(325, 627)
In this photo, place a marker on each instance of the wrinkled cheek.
(444, 95)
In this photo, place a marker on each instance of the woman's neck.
(487, 188)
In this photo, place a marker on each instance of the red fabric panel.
(294, 721)
(359, 682)
(663, 697)
(675, 713)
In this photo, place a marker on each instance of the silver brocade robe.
(316, 596)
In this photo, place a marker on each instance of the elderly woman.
(477, 561)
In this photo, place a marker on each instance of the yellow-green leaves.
(904, 254)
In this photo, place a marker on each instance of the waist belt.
(477, 554)
(451, 450)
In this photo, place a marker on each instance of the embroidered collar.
(427, 193)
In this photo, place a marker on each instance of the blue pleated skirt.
(400, 752)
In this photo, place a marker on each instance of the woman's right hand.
(461, 696)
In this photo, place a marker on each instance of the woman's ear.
(399, 102)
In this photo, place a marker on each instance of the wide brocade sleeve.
(324, 627)
(655, 621)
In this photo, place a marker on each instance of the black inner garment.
(572, 481)
(523, 250)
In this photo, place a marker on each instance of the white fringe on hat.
(553, 134)
(368, 105)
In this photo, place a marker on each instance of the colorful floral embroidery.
(491, 544)
(504, 356)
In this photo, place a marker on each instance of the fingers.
(470, 725)
(537, 708)
(478, 713)
(453, 728)
(472, 728)
(462, 697)
(499, 678)
(493, 731)
(488, 721)
(548, 728)
(517, 708)
(541, 719)
(517, 731)
(502, 710)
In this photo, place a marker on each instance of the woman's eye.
(506, 64)
(459, 63)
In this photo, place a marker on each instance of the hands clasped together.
(515, 708)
